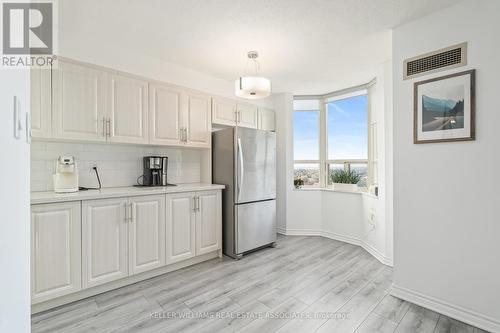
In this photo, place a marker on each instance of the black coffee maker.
(154, 171)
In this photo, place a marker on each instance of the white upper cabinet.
(223, 111)
(166, 105)
(229, 112)
(181, 217)
(41, 102)
(198, 120)
(78, 101)
(78, 98)
(208, 222)
(146, 233)
(127, 105)
(267, 120)
(247, 115)
(104, 241)
(55, 250)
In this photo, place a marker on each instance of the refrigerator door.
(255, 165)
(256, 225)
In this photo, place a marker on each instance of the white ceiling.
(305, 46)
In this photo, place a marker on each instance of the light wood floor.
(302, 276)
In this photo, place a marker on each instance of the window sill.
(363, 192)
(326, 189)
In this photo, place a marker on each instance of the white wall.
(376, 227)
(282, 104)
(118, 165)
(342, 216)
(446, 240)
(14, 207)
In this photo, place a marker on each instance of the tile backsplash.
(118, 165)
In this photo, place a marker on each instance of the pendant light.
(254, 86)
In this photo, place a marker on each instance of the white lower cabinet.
(194, 224)
(80, 245)
(55, 250)
(146, 233)
(104, 241)
(208, 222)
(181, 216)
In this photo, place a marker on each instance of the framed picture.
(444, 108)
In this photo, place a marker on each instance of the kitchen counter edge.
(118, 192)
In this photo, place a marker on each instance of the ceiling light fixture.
(255, 86)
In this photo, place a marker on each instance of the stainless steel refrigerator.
(244, 160)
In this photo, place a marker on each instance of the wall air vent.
(450, 57)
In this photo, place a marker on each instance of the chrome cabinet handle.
(132, 213)
(28, 128)
(198, 203)
(183, 135)
(104, 132)
(108, 122)
(129, 212)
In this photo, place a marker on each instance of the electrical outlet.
(372, 220)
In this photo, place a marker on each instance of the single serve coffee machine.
(155, 171)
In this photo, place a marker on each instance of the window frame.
(324, 162)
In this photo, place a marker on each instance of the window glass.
(331, 169)
(348, 128)
(306, 135)
(362, 170)
(309, 173)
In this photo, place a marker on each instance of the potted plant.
(298, 183)
(345, 180)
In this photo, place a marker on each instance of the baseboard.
(343, 238)
(281, 231)
(377, 254)
(302, 232)
(454, 311)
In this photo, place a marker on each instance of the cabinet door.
(128, 109)
(146, 233)
(104, 241)
(165, 108)
(55, 250)
(223, 111)
(198, 120)
(266, 119)
(41, 102)
(247, 115)
(78, 101)
(181, 216)
(208, 222)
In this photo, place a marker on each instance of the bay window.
(332, 133)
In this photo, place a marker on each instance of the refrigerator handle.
(242, 169)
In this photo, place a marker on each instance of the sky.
(347, 122)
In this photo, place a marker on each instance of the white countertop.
(117, 192)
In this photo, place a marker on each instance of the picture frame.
(444, 108)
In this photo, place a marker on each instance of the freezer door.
(255, 165)
(256, 225)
